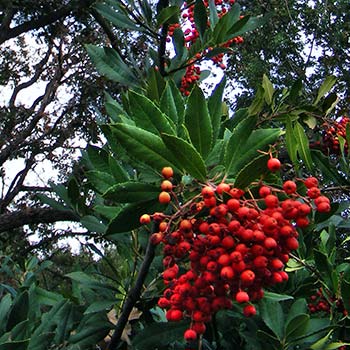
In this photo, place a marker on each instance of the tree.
(213, 231)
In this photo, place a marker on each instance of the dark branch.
(29, 216)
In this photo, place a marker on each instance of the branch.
(30, 216)
(44, 20)
(133, 296)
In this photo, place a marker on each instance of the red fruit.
(249, 310)
(270, 243)
(311, 182)
(271, 201)
(260, 261)
(174, 315)
(292, 243)
(247, 277)
(199, 327)
(289, 187)
(167, 172)
(321, 199)
(313, 192)
(145, 219)
(277, 278)
(276, 264)
(185, 225)
(221, 188)
(264, 191)
(302, 222)
(323, 207)
(207, 192)
(190, 335)
(166, 185)
(228, 242)
(227, 273)
(233, 204)
(156, 238)
(242, 297)
(236, 193)
(273, 164)
(224, 260)
(210, 202)
(164, 197)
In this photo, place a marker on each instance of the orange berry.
(164, 197)
(145, 219)
(167, 172)
(166, 185)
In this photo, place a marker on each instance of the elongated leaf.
(93, 224)
(198, 123)
(19, 310)
(247, 24)
(325, 88)
(252, 171)
(129, 217)
(159, 335)
(268, 88)
(14, 345)
(187, 156)
(102, 305)
(143, 145)
(345, 293)
(303, 145)
(45, 297)
(297, 326)
(110, 65)
(226, 22)
(272, 314)
(259, 140)
(276, 297)
(178, 40)
(118, 18)
(147, 115)
(239, 137)
(117, 170)
(291, 143)
(100, 181)
(297, 308)
(215, 107)
(129, 192)
(172, 104)
(213, 14)
(200, 18)
(168, 14)
(5, 305)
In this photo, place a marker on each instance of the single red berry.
(273, 164)
(311, 182)
(249, 310)
(264, 191)
(227, 273)
(323, 207)
(247, 277)
(242, 297)
(190, 335)
(223, 187)
(289, 187)
(166, 185)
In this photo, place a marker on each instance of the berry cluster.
(320, 303)
(191, 35)
(225, 244)
(331, 135)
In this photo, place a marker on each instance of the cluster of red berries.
(191, 35)
(226, 245)
(320, 303)
(330, 137)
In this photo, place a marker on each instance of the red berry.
(289, 187)
(247, 277)
(221, 188)
(249, 310)
(166, 185)
(164, 197)
(190, 335)
(242, 297)
(273, 164)
(311, 182)
(264, 191)
(145, 219)
(227, 273)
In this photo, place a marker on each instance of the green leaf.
(172, 104)
(158, 335)
(200, 18)
(143, 145)
(272, 314)
(198, 123)
(186, 155)
(118, 18)
(100, 181)
(325, 267)
(178, 40)
(297, 308)
(268, 88)
(226, 22)
(247, 24)
(252, 171)
(109, 64)
(147, 115)
(291, 142)
(93, 224)
(98, 158)
(215, 107)
(15, 345)
(155, 85)
(258, 102)
(169, 15)
(101, 305)
(92, 329)
(297, 326)
(325, 88)
(239, 137)
(19, 310)
(276, 297)
(303, 145)
(128, 192)
(5, 306)
(117, 170)
(213, 14)
(129, 217)
(345, 293)
(45, 297)
(295, 91)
